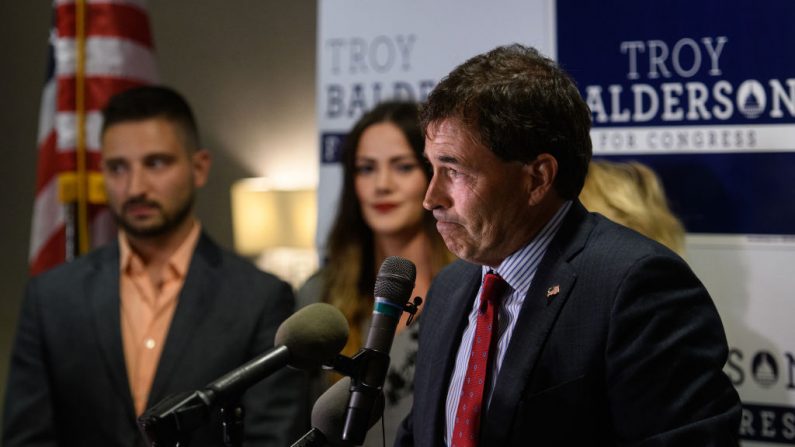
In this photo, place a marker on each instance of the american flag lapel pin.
(552, 291)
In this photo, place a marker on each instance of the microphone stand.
(363, 394)
(376, 364)
(171, 422)
(232, 417)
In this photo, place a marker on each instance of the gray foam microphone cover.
(314, 335)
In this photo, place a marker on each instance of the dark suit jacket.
(68, 383)
(629, 352)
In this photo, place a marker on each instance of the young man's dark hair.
(152, 101)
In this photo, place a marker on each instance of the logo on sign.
(764, 369)
(751, 99)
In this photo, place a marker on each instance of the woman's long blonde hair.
(631, 194)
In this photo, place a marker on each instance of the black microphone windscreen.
(328, 414)
(395, 279)
(314, 335)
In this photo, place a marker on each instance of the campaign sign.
(704, 92)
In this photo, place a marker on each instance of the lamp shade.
(265, 218)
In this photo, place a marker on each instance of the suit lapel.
(194, 301)
(533, 325)
(548, 294)
(456, 302)
(102, 293)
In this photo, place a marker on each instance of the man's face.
(150, 176)
(479, 201)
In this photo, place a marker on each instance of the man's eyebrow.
(449, 159)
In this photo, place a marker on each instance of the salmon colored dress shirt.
(147, 310)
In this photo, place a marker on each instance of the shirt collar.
(519, 268)
(179, 261)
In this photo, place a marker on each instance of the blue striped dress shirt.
(518, 271)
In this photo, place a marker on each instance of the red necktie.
(467, 417)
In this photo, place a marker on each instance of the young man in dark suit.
(162, 310)
(558, 327)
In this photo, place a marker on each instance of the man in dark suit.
(161, 311)
(602, 337)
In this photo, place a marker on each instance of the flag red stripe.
(51, 253)
(98, 90)
(108, 20)
(94, 161)
(53, 162)
(48, 164)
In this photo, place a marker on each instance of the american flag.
(96, 48)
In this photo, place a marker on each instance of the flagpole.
(84, 243)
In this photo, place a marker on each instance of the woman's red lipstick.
(384, 207)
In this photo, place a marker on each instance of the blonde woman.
(631, 194)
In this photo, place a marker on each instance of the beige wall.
(247, 67)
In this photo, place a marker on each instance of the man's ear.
(201, 161)
(540, 175)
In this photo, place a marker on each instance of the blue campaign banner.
(703, 92)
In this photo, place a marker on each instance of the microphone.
(393, 287)
(307, 339)
(328, 415)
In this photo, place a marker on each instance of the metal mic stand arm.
(366, 368)
(170, 422)
(232, 417)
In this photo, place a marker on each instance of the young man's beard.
(168, 224)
